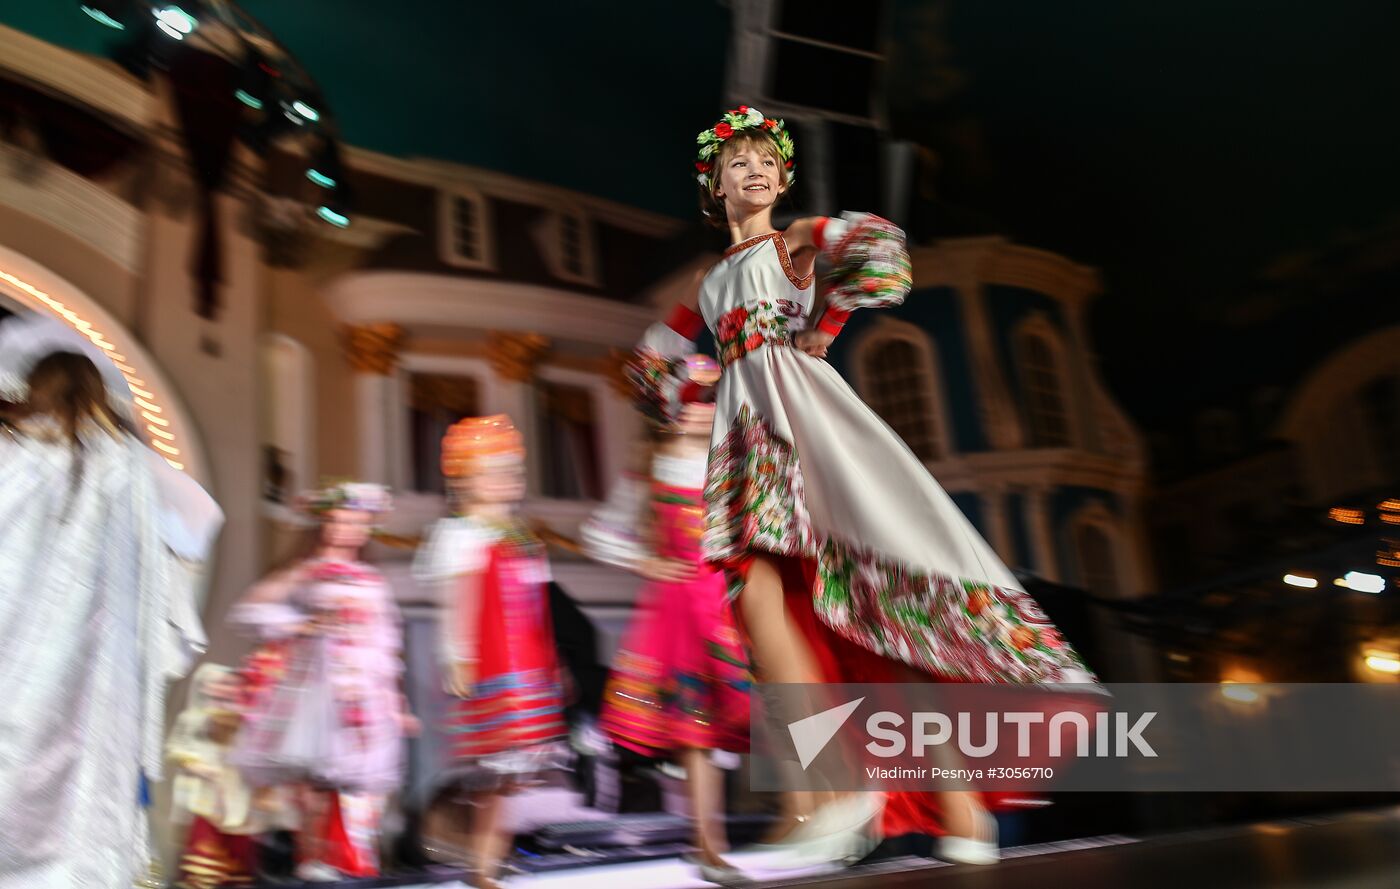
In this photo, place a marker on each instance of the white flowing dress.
(801, 467)
(93, 629)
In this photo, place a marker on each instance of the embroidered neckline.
(744, 245)
(801, 283)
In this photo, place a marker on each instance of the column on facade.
(993, 502)
(996, 407)
(1044, 557)
(514, 357)
(373, 352)
(1085, 407)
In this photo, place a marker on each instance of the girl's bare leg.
(782, 656)
(706, 804)
(315, 809)
(961, 811)
(489, 842)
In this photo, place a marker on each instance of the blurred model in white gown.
(96, 618)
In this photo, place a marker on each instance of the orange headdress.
(479, 443)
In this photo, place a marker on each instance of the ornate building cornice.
(374, 348)
(514, 356)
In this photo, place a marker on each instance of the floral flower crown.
(741, 118)
(357, 496)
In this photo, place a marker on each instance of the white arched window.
(286, 381)
(1044, 385)
(895, 367)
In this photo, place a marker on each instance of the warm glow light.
(160, 433)
(1300, 580)
(142, 397)
(1346, 516)
(1236, 691)
(1391, 505)
(1364, 583)
(1387, 662)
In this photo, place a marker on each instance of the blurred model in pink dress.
(679, 683)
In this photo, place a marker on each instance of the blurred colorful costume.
(211, 800)
(331, 717)
(491, 579)
(680, 677)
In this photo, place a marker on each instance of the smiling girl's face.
(750, 175)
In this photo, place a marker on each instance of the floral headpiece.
(741, 118)
(357, 496)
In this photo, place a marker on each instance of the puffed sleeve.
(868, 265)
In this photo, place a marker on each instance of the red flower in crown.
(743, 109)
(704, 166)
(723, 130)
(769, 123)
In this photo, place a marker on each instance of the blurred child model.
(333, 724)
(211, 801)
(496, 645)
(95, 623)
(679, 684)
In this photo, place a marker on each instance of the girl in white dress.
(830, 528)
(334, 722)
(88, 590)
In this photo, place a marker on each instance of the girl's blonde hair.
(712, 207)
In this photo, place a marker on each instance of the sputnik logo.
(811, 734)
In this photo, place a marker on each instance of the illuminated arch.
(29, 286)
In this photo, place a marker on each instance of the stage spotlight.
(1363, 582)
(333, 215)
(306, 111)
(326, 169)
(112, 13)
(175, 22)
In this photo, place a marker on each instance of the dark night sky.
(1213, 159)
(1185, 148)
